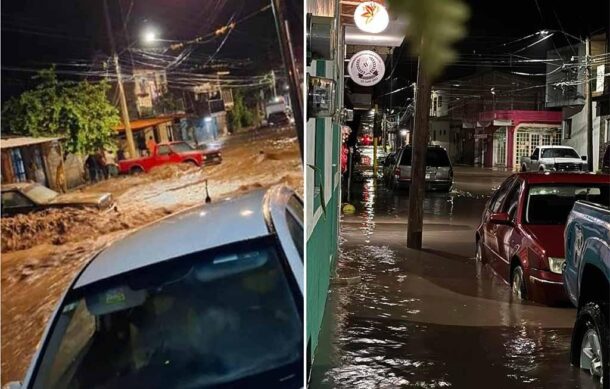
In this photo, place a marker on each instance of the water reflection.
(432, 319)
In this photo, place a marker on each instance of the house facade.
(566, 90)
(38, 160)
(491, 118)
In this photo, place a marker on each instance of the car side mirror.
(12, 385)
(500, 218)
(534, 158)
(583, 157)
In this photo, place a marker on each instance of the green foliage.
(78, 111)
(240, 116)
(433, 26)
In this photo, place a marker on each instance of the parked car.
(554, 158)
(439, 171)
(170, 152)
(587, 283)
(25, 197)
(212, 296)
(521, 231)
(279, 119)
(388, 167)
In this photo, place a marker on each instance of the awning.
(22, 141)
(140, 124)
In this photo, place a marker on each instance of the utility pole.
(131, 148)
(419, 144)
(589, 103)
(288, 57)
(273, 84)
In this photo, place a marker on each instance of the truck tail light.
(397, 172)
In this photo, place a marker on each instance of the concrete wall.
(440, 133)
(578, 137)
(74, 169)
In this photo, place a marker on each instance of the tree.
(78, 111)
(432, 29)
(240, 116)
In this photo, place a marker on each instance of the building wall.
(578, 136)
(74, 168)
(322, 202)
(440, 133)
(323, 189)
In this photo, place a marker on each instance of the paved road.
(434, 318)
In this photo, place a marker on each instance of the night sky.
(495, 23)
(37, 33)
(71, 34)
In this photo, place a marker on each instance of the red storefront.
(503, 137)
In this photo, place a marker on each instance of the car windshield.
(212, 319)
(278, 116)
(181, 147)
(435, 157)
(40, 194)
(552, 203)
(559, 152)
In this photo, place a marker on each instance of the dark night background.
(494, 23)
(38, 33)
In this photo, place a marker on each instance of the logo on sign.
(371, 17)
(366, 68)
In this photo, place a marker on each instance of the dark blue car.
(587, 283)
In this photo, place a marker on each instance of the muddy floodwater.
(42, 252)
(433, 318)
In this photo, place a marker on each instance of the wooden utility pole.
(589, 103)
(288, 58)
(131, 148)
(419, 142)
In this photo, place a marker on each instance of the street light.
(149, 36)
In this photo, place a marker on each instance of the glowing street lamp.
(149, 36)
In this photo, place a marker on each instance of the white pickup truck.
(554, 158)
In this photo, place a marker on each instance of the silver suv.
(439, 172)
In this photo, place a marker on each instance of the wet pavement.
(434, 318)
(42, 252)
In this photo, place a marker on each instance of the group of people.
(100, 165)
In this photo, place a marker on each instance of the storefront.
(503, 137)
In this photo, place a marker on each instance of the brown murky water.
(42, 252)
(434, 318)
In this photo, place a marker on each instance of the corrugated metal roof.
(12, 142)
(145, 123)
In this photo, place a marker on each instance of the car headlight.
(556, 264)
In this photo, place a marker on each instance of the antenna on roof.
(208, 199)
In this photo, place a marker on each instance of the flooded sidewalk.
(433, 318)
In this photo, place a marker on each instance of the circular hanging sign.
(371, 17)
(366, 68)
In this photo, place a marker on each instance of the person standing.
(91, 167)
(102, 171)
(111, 165)
(151, 145)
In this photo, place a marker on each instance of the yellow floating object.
(349, 209)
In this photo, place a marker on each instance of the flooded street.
(435, 318)
(42, 252)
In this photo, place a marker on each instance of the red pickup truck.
(171, 152)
